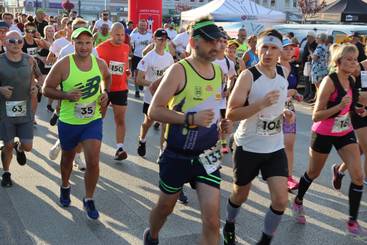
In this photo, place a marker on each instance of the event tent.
(345, 11)
(234, 11)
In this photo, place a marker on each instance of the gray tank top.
(17, 109)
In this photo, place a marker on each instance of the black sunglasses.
(105, 14)
(15, 41)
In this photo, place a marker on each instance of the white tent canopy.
(233, 11)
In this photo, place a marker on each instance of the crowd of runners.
(207, 93)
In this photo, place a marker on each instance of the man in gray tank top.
(16, 117)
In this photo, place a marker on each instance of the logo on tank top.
(90, 88)
(198, 93)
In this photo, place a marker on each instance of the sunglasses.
(30, 31)
(15, 41)
(161, 38)
(105, 14)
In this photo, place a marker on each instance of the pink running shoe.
(292, 183)
(298, 213)
(355, 230)
(224, 149)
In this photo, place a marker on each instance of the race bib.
(117, 68)
(211, 159)
(83, 111)
(266, 126)
(32, 51)
(16, 108)
(364, 79)
(341, 123)
(289, 105)
(48, 66)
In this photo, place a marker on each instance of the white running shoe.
(79, 161)
(55, 150)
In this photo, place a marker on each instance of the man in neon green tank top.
(81, 77)
(188, 100)
(101, 35)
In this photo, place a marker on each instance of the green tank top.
(87, 108)
(241, 50)
(100, 38)
(197, 95)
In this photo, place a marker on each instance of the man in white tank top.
(258, 102)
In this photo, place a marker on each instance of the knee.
(211, 224)
(238, 197)
(280, 203)
(164, 209)
(120, 121)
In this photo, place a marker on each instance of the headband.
(269, 40)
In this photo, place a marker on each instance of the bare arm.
(140, 79)
(107, 77)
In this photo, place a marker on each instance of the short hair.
(7, 14)
(32, 24)
(192, 24)
(271, 32)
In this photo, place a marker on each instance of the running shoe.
(55, 150)
(156, 125)
(65, 196)
(229, 234)
(147, 239)
(6, 180)
(292, 183)
(21, 158)
(225, 149)
(54, 119)
(50, 109)
(355, 230)
(142, 148)
(79, 162)
(183, 198)
(337, 177)
(120, 154)
(298, 213)
(90, 208)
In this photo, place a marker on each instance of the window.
(272, 3)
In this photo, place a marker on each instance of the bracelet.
(189, 118)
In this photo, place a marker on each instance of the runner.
(4, 28)
(250, 57)
(116, 54)
(80, 76)
(258, 100)
(16, 117)
(289, 129)
(101, 35)
(241, 39)
(139, 40)
(151, 69)
(332, 128)
(360, 126)
(192, 90)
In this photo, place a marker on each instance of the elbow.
(315, 118)
(152, 113)
(230, 116)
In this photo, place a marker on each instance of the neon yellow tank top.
(241, 50)
(87, 108)
(197, 95)
(100, 38)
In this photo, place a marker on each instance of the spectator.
(103, 20)
(40, 21)
(241, 39)
(250, 57)
(297, 52)
(4, 28)
(9, 19)
(130, 27)
(356, 40)
(171, 30)
(179, 44)
(73, 14)
(308, 50)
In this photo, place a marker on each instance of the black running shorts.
(118, 97)
(324, 143)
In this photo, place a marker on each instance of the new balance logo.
(90, 88)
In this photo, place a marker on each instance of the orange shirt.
(117, 59)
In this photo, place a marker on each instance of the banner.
(151, 11)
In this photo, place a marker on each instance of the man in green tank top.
(101, 35)
(188, 100)
(80, 77)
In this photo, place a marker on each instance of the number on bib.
(16, 108)
(83, 111)
(211, 159)
(364, 79)
(117, 68)
(267, 127)
(341, 123)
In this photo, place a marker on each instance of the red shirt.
(117, 59)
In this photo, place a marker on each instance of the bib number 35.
(85, 110)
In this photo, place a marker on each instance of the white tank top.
(263, 133)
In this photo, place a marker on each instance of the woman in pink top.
(332, 127)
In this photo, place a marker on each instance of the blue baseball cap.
(287, 42)
(3, 25)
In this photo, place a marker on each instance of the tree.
(310, 7)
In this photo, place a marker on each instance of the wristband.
(189, 122)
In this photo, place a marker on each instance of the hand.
(103, 99)
(154, 86)
(292, 92)
(271, 98)
(74, 95)
(363, 97)
(226, 126)
(298, 97)
(6, 91)
(204, 118)
(345, 101)
(34, 90)
(128, 73)
(289, 116)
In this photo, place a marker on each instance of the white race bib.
(83, 111)
(289, 105)
(16, 108)
(32, 51)
(269, 126)
(364, 79)
(341, 123)
(117, 68)
(211, 159)
(48, 66)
